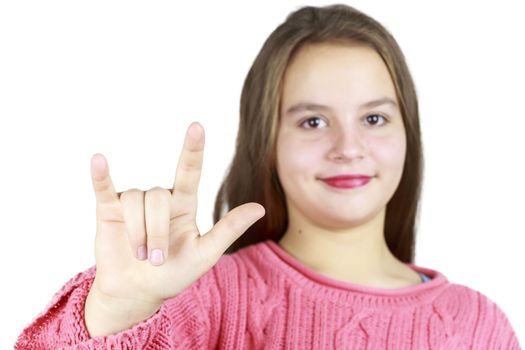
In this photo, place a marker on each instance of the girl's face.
(344, 136)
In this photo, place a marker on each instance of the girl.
(317, 252)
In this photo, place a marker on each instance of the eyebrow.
(308, 106)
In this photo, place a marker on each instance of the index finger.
(190, 161)
(102, 184)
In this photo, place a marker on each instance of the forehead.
(334, 73)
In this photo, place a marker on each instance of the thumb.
(229, 228)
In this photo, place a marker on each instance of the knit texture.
(260, 297)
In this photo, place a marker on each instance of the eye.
(312, 122)
(373, 119)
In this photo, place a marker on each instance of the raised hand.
(148, 247)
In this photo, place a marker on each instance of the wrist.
(105, 315)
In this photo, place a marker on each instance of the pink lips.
(347, 181)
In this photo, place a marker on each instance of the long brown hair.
(252, 175)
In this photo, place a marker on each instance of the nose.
(348, 143)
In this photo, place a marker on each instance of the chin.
(341, 221)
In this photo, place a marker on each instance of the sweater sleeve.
(190, 320)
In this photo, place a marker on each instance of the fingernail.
(193, 130)
(141, 252)
(157, 257)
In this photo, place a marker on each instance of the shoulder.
(468, 312)
(458, 298)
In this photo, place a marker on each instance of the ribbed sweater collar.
(318, 285)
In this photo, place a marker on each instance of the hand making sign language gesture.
(148, 247)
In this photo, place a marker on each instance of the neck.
(357, 254)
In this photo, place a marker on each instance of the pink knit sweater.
(262, 298)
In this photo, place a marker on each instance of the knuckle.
(158, 192)
(134, 192)
(229, 223)
(156, 189)
(191, 166)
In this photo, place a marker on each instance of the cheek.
(390, 151)
(296, 157)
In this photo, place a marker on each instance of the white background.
(127, 78)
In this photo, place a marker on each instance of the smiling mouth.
(346, 182)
